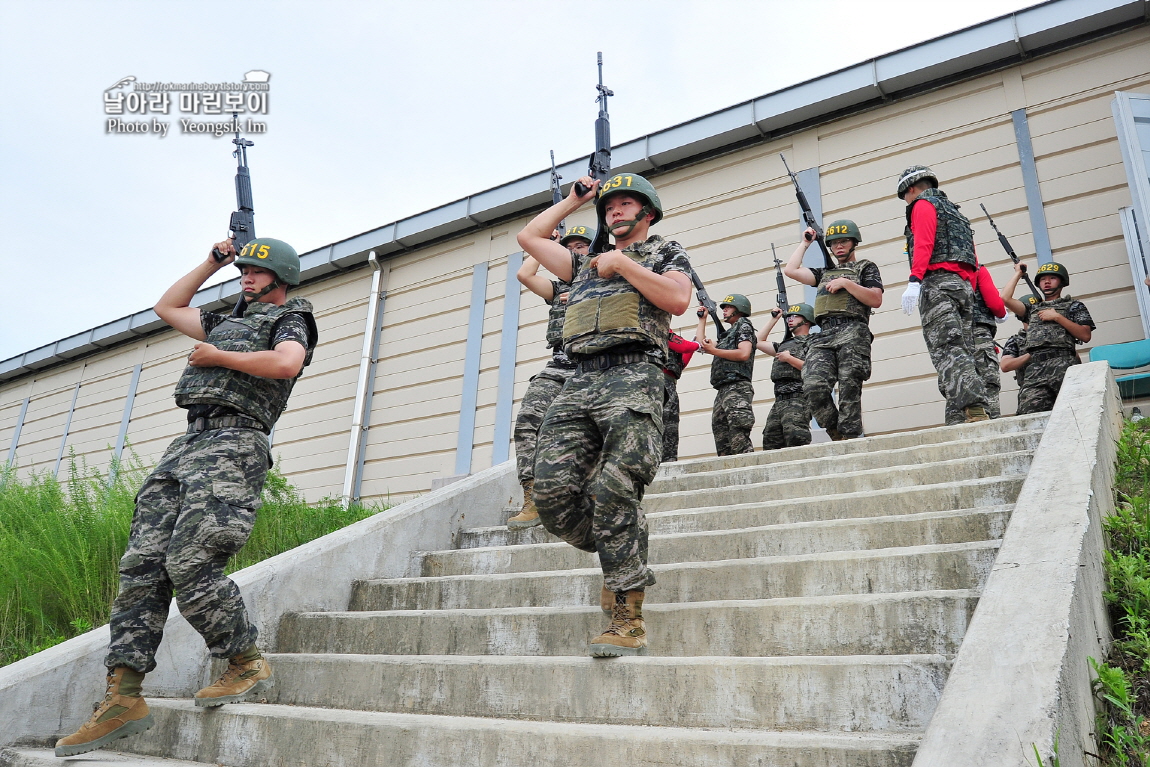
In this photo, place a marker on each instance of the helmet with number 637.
(274, 255)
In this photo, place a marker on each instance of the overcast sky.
(376, 111)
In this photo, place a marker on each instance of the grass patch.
(1123, 682)
(60, 546)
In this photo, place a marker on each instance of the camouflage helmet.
(739, 302)
(274, 255)
(578, 233)
(1054, 268)
(843, 229)
(632, 184)
(806, 311)
(912, 176)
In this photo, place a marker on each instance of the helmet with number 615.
(274, 255)
(634, 185)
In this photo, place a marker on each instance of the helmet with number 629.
(1056, 269)
(274, 255)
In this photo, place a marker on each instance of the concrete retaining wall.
(1021, 679)
(51, 693)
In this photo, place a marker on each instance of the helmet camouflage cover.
(634, 185)
(806, 311)
(578, 233)
(1054, 268)
(912, 176)
(740, 303)
(843, 229)
(274, 255)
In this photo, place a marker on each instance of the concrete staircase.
(809, 604)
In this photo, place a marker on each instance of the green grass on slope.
(60, 546)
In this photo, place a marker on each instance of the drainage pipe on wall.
(359, 417)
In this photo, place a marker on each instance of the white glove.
(910, 298)
(1001, 320)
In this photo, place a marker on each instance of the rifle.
(782, 297)
(1010, 252)
(242, 226)
(557, 193)
(808, 215)
(599, 165)
(707, 301)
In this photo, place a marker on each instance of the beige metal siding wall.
(726, 211)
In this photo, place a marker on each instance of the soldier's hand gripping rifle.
(242, 226)
(782, 297)
(707, 301)
(599, 166)
(808, 215)
(557, 193)
(1010, 251)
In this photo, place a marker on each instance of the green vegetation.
(1123, 683)
(60, 546)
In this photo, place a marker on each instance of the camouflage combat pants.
(194, 511)
(839, 354)
(670, 418)
(986, 362)
(541, 392)
(946, 305)
(788, 423)
(732, 418)
(598, 450)
(1042, 382)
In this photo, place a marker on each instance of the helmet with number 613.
(274, 255)
(578, 233)
(634, 185)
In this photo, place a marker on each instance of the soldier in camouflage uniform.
(840, 353)
(940, 248)
(789, 422)
(1014, 350)
(679, 351)
(602, 437)
(547, 383)
(989, 311)
(197, 507)
(1055, 325)
(732, 416)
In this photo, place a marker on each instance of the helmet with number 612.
(843, 229)
(274, 255)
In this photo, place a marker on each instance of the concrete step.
(994, 444)
(895, 441)
(913, 568)
(44, 757)
(868, 481)
(860, 693)
(915, 623)
(252, 735)
(935, 527)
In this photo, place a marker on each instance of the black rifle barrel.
(557, 193)
(809, 215)
(782, 297)
(599, 166)
(1010, 251)
(707, 301)
(242, 226)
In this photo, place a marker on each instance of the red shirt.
(984, 286)
(924, 225)
(682, 346)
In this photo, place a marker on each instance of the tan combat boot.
(975, 413)
(121, 713)
(626, 635)
(528, 516)
(248, 674)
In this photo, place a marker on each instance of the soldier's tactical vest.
(556, 314)
(842, 303)
(982, 314)
(1049, 335)
(728, 371)
(261, 398)
(609, 314)
(674, 364)
(954, 238)
(1022, 344)
(783, 373)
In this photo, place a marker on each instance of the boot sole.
(615, 651)
(128, 728)
(261, 686)
(524, 525)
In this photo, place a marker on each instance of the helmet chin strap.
(631, 224)
(257, 296)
